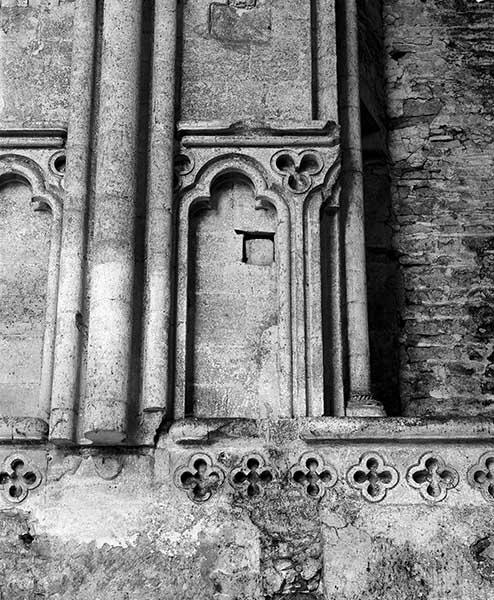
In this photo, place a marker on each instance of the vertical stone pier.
(159, 210)
(360, 401)
(112, 269)
(67, 362)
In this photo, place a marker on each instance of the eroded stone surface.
(81, 535)
(439, 71)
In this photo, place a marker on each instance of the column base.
(364, 405)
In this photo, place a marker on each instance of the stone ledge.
(248, 127)
(334, 429)
(265, 134)
(33, 137)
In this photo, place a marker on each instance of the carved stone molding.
(200, 479)
(373, 477)
(33, 138)
(313, 474)
(252, 476)
(481, 476)
(432, 477)
(18, 477)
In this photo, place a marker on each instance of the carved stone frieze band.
(373, 476)
(376, 477)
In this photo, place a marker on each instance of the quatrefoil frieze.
(297, 169)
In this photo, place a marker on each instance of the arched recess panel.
(233, 312)
(25, 249)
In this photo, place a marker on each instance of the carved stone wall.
(175, 391)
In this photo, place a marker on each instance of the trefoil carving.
(372, 477)
(432, 477)
(18, 477)
(200, 479)
(313, 475)
(297, 169)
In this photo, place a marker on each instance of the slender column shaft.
(361, 401)
(112, 268)
(314, 315)
(49, 338)
(159, 209)
(65, 387)
(299, 348)
(337, 387)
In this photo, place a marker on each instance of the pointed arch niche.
(233, 329)
(30, 221)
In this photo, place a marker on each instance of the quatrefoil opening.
(252, 476)
(18, 478)
(313, 475)
(372, 477)
(297, 170)
(481, 476)
(200, 479)
(432, 477)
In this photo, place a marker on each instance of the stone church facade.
(246, 299)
